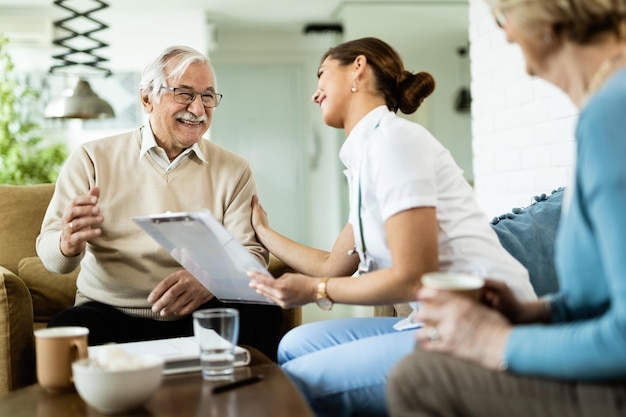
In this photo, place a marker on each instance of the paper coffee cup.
(464, 284)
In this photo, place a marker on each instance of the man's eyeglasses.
(499, 17)
(186, 96)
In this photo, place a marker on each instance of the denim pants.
(341, 365)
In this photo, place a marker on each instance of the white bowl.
(112, 391)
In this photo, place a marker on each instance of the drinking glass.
(217, 331)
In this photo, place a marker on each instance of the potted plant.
(25, 158)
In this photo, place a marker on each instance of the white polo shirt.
(400, 165)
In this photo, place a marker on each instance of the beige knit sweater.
(124, 264)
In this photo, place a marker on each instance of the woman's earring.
(353, 89)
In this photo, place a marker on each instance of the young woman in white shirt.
(411, 211)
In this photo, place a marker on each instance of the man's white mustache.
(190, 117)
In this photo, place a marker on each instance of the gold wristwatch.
(322, 299)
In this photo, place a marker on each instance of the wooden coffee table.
(179, 396)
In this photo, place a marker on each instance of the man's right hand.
(179, 293)
(80, 222)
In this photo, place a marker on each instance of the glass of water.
(217, 331)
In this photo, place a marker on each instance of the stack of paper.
(181, 354)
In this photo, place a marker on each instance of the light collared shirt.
(393, 165)
(149, 145)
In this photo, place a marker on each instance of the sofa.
(526, 233)
(30, 295)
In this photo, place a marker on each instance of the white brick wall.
(522, 127)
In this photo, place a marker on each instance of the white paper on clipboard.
(208, 251)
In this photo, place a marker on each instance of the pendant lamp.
(79, 102)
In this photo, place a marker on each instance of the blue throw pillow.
(529, 234)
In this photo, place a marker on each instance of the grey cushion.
(529, 235)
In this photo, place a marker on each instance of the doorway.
(259, 118)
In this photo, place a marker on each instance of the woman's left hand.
(290, 290)
(259, 219)
(462, 327)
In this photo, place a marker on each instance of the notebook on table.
(208, 251)
(180, 354)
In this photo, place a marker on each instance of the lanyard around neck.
(359, 198)
(363, 248)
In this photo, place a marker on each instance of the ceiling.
(227, 12)
(418, 28)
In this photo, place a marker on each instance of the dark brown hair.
(402, 89)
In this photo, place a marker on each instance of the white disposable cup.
(460, 283)
(464, 284)
(217, 332)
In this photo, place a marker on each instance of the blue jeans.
(341, 365)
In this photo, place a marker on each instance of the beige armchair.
(29, 294)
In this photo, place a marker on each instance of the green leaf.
(24, 159)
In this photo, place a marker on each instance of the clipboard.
(204, 247)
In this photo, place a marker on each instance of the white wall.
(426, 35)
(523, 128)
(323, 214)
(136, 35)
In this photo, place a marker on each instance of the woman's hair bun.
(413, 89)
